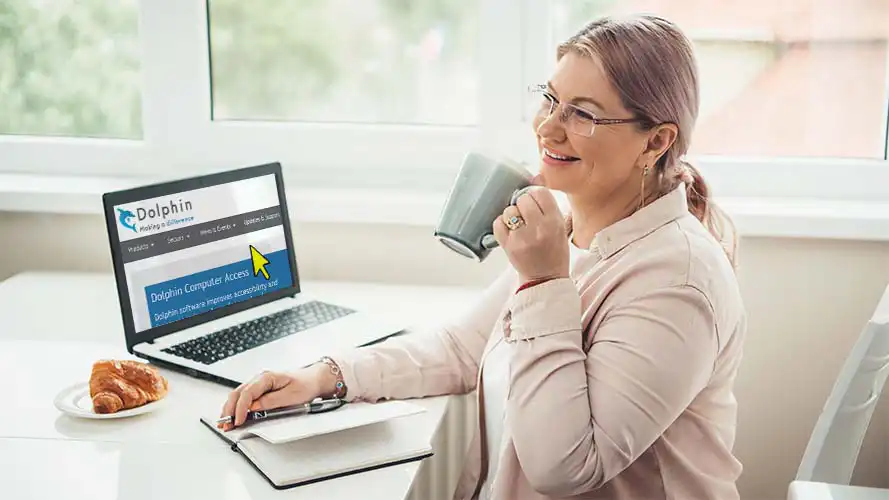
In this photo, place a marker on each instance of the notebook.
(292, 451)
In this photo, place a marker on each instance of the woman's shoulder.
(652, 267)
(679, 253)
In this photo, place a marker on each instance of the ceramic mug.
(484, 187)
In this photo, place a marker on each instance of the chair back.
(836, 440)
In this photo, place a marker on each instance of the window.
(70, 68)
(788, 79)
(379, 61)
(389, 95)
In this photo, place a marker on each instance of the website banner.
(206, 290)
(217, 261)
(161, 214)
(199, 234)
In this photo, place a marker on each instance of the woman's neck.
(589, 216)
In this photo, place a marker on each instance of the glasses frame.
(570, 110)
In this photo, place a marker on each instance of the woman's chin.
(558, 177)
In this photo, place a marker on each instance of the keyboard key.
(239, 338)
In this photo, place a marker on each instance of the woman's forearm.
(440, 361)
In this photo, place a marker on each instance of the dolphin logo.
(126, 219)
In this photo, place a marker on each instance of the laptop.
(208, 284)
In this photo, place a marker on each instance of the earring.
(645, 171)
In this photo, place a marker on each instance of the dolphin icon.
(126, 219)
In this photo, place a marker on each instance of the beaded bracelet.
(341, 388)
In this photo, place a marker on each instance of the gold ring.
(514, 222)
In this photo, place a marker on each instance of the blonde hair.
(652, 65)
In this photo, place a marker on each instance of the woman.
(606, 356)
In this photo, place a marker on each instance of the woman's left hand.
(538, 246)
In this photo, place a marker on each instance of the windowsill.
(754, 217)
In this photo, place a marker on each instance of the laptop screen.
(193, 251)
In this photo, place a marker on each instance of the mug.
(484, 187)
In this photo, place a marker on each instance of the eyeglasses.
(576, 119)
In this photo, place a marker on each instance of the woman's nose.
(550, 126)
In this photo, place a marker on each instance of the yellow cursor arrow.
(259, 262)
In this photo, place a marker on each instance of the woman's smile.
(555, 158)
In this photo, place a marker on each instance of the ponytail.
(716, 221)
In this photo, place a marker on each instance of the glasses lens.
(579, 121)
(547, 103)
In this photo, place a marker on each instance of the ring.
(515, 222)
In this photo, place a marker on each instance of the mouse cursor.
(259, 262)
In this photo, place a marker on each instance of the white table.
(54, 325)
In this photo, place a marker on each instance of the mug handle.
(519, 192)
(488, 240)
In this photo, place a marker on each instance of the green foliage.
(70, 67)
(343, 60)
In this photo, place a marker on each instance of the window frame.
(180, 137)
(193, 138)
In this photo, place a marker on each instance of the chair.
(836, 439)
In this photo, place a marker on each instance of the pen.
(319, 406)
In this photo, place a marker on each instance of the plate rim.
(74, 411)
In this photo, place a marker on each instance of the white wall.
(807, 300)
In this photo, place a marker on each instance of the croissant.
(121, 385)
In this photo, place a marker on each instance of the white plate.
(75, 401)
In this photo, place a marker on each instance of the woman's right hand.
(276, 389)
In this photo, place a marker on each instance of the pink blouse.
(620, 377)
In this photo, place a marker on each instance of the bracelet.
(341, 388)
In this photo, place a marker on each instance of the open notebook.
(293, 451)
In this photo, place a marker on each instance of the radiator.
(438, 474)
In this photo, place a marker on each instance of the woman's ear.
(660, 138)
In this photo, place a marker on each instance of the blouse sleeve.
(603, 408)
(434, 362)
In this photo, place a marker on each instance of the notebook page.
(330, 454)
(287, 429)
(349, 416)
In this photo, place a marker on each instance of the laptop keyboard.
(217, 346)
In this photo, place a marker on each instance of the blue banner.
(196, 293)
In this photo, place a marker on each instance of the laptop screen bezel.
(112, 199)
